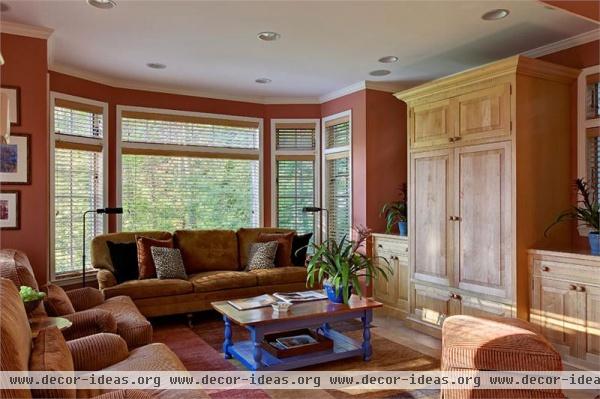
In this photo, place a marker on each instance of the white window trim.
(275, 152)
(582, 125)
(121, 144)
(82, 140)
(324, 153)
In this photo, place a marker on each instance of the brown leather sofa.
(215, 261)
(19, 351)
(93, 314)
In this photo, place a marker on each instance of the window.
(294, 165)
(337, 175)
(78, 179)
(588, 108)
(186, 170)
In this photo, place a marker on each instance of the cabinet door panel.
(385, 290)
(431, 124)
(478, 307)
(483, 190)
(484, 113)
(592, 320)
(431, 200)
(432, 305)
(402, 280)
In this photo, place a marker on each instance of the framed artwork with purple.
(10, 210)
(15, 160)
(14, 103)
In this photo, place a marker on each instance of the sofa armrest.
(88, 322)
(85, 298)
(97, 351)
(106, 279)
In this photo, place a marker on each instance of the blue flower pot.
(403, 228)
(333, 296)
(594, 238)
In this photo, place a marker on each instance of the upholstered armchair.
(49, 351)
(85, 307)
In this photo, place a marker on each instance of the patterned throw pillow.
(168, 263)
(262, 255)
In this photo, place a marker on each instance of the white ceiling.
(211, 47)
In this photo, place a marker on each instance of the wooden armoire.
(489, 170)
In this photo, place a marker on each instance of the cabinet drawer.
(478, 307)
(432, 305)
(566, 271)
(386, 247)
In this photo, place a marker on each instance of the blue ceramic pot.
(594, 238)
(403, 228)
(333, 296)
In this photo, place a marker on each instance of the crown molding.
(358, 86)
(14, 28)
(564, 44)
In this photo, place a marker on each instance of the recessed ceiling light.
(4, 7)
(380, 72)
(494, 15)
(263, 80)
(102, 4)
(156, 65)
(268, 36)
(388, 59)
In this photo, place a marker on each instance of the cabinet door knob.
(457, 218)
(451, 218)
(545, 269)
(580, 288)
(406, 249)
(451, 139)
(379, 246)
(572, 287)
(457, 138)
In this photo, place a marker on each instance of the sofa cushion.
(50, 353)
(135, 329)
(101, 254)
(284, 246)
(149, 288)
(146, 265)
(247, 237)
(280, 275)
(206, 250)
(222, 280)
(56, 302)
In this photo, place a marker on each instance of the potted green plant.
(31, 298)
(586, 211)
(396, 213)
(340, 265)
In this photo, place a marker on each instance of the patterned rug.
(199, 349)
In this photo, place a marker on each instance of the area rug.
(199, 349)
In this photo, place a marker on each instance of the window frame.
(325, 152)
(582, 125)
(67, 278)
(120, 144)
(282, 153)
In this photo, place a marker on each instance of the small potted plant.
(339, 266)
(396, 213)
(31, 298)
(586, 211)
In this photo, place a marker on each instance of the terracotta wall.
(26, 67)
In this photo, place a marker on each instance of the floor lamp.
(107, 211)
(316, 209)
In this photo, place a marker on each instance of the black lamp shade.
(110, 211)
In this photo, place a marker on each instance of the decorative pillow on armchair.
(284, 247)
(56, 302)
(168, 263)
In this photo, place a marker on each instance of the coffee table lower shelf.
(343, 347)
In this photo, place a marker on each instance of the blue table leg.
(257, 337)
(366, 345)
(227, 342)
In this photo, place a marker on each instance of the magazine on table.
(252, 303)
(300, 296)
(295, 341)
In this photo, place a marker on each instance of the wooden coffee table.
(262, 321)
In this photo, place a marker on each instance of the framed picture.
(10, 210)
(15, 160)
(14, 103)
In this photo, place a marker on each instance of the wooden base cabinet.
(484, 184)
(565, 304)
(393, 293)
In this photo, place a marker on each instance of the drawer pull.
(573, 287)
(452, 218)
(451, 139)
(581, 288)
(379, 246)
(545, 269)
(457, 138)
(406, 249)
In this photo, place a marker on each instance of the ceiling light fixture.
(388, 59)
(102, 4)
(156, 65)
(380, 72)
(268, 36)
(263, 81)
(494, 15)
